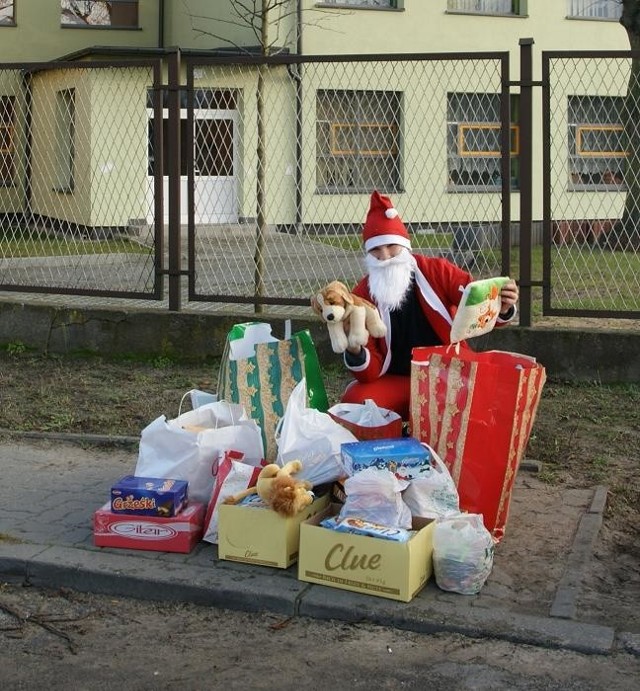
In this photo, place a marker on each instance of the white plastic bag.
(234, 475)
(312, 437)
(462, 553)
(189, 446)
(375, 495)
(367, 420)
(433, 494)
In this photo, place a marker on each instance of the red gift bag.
(476, 410)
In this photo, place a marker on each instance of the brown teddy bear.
(349, 318)
(284, 494)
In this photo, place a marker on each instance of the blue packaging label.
(148, 496)
(406, 457)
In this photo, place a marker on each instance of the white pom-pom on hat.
(390, 213)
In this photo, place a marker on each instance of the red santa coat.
(439, 284)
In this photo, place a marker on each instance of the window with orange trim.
(597, 143)
(358, 141)
(474, 148)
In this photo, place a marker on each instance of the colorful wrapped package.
(405, 457)
(476, 410)
(148, 496)
(259, 372)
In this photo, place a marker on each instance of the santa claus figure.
(417, 297)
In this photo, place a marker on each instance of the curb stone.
(565, 603)
(222, 584)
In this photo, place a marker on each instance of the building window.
(597, 142)
(594, 9)
(7, 14)
(65, 139)
(358, 141)
(7, 144)
(362, 3)
(515, 7)
(116, 14)
(473, 142)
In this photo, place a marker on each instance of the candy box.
(406, 457)
(148, 496)
(176, 534)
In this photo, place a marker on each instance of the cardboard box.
(148, 496)
(176, 534)
(362, 564)
(406, 457)
(258, 535)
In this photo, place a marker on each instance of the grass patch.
(19, 243)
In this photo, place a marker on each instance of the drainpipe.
(161, 8)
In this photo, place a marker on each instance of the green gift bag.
(260, 371)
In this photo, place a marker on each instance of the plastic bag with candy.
(462, 553)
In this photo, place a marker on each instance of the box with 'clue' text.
(363, 564)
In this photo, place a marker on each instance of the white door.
(215, 163)
(215, 179)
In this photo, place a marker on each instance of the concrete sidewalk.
(51, 487)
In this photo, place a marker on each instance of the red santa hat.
(383, 225)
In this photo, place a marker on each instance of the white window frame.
(364, 4)
(503, 8)
(599, 10)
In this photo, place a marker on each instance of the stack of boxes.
(154, 514)
(149, 514)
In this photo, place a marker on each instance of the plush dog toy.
(284, 494)
(349, 318)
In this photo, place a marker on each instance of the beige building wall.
(38, 34)
(426, 26)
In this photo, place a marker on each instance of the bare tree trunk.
(261, 220)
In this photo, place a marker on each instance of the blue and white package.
(405, 457)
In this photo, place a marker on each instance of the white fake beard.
(390, 279)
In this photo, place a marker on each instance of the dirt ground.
(584, 436)
(89, 642)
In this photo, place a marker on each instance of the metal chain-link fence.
(593, 191)
(250, 187)
(75, 194)
(306, 145)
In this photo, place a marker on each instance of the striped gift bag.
(476, 410)
(260, 371)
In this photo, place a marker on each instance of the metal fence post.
(526, 177)
(173, 158)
